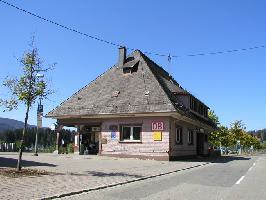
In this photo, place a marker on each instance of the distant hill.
(10, 124)
(259, 133)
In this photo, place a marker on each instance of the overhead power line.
(169, 56)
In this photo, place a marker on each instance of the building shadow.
(226, 159)
(217, 159)
(11, 162)
(112, 174)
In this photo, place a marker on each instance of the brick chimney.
(122, 56)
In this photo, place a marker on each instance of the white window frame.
(178, 131)
(131, 133)
(190, 137)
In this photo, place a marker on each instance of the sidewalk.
(76, 173)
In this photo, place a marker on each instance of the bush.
(263, 145)
(49, 149)
(70, 148)
(61, 150)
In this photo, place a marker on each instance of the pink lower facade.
(146, 147)
(163, 144)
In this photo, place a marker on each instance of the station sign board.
(157, 126)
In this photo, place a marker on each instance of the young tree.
(225, 136)
(215, 136)
(27, 88)
(214, 117)
(238, 130)
(229, 140)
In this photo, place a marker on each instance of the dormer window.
(126, 70)
(130, 67)
(193, 104)
(198, 107)
(206, 112)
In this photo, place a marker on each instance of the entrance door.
(200, 143)
(90, 140)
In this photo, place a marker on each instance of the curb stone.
(122, 183)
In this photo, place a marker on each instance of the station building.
(136, 109)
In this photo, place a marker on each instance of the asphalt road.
(229, 178)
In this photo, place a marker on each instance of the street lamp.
(39, 118)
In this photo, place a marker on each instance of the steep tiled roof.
(171, 87)
(149, 88)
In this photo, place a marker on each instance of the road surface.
(229, 178)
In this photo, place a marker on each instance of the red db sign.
(157, 126)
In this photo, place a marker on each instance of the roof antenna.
(169, 58)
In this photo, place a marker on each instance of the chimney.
(122, 56)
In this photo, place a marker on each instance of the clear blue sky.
(231, 84)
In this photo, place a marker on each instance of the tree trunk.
(22, 139)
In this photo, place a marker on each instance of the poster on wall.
(157, 136)
(113, 135)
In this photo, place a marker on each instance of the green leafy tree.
(247, 140)
(228, 137)
(221, 136)
(225, 137)
(27, 88)
(238, 130)
(229, 140)
(215, 139)
(215, 136)
(214, 117)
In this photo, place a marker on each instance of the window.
(190, 137)
(130, 133)
(192, 103)
(126, 70)
(206, 112)
(201, 109)
(178, 135)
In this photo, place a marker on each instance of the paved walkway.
(231, 178)
(76, 173)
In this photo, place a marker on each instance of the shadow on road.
(226, 159)
(112, 174)
(11, 162)
(219, 159)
